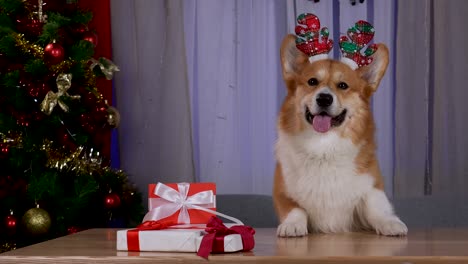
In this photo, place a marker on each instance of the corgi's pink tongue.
(321, 123)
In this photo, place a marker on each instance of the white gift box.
(175, 240)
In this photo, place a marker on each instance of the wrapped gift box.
(172, 240)
(181, 219)
(183, 203)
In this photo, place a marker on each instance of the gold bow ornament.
(107, 67)
(52, 99)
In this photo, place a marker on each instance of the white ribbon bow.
(171, 201)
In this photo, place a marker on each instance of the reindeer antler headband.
(308, 37)
(358, 37)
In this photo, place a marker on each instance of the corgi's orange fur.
(327, 176)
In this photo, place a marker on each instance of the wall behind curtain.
(152, 91)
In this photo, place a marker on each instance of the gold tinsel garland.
(63, 67)
(79, 161)
(83, 161)
(27, 47)
(12, 139)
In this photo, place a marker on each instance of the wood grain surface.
(421, 246)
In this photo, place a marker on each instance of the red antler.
(358, 37)
(308, 37)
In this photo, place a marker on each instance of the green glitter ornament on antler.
(358, 37)
(312, 40)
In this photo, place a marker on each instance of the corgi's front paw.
(391, 227)
(292, 230)
(294, 225)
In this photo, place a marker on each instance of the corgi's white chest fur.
(320, 175)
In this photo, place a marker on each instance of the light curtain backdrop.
(200, 87)
(431, 109)
(236, 89)
(151, 91)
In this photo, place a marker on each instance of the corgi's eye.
(312, 81)
(343, 85)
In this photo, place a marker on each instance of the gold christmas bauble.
(36, 222)
(113, 117)
(7, 247)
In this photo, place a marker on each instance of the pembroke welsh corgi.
(327, 176)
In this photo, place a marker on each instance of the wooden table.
(421, 246)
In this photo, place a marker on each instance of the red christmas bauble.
(101, 108)
(88, 98)
(100, 113)
(87, 123)
(30, 27)
(4, 149)
(14, 67)
(63, 136)
(11, 223)
(111, 201)
(54, 53)
(72, 230)
(24, 82)
(38, 90)
(91, 37)
(79, 29)
(22, 120)
(37, 115)
(65, 139)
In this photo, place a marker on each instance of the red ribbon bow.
(133, 239)
(213, 241)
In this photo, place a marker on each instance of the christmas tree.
(54, 179)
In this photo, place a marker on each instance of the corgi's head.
(328, 96)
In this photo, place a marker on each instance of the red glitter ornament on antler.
(359, 36)
(312, 40)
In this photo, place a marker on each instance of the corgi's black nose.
(324, 99)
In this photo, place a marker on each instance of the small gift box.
(161, 236)
(183, 203)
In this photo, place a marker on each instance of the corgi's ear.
(374, 72)
(292, 59)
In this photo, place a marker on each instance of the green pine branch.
(78, 71)
(85, 187)
(36, 67)
(59, 19)
(8, 46)
(50, 32)
(11, 6)
(7, 123)
(82, 17)
(7, 25)
(44, 185)
(10, 80)
(83, 50)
